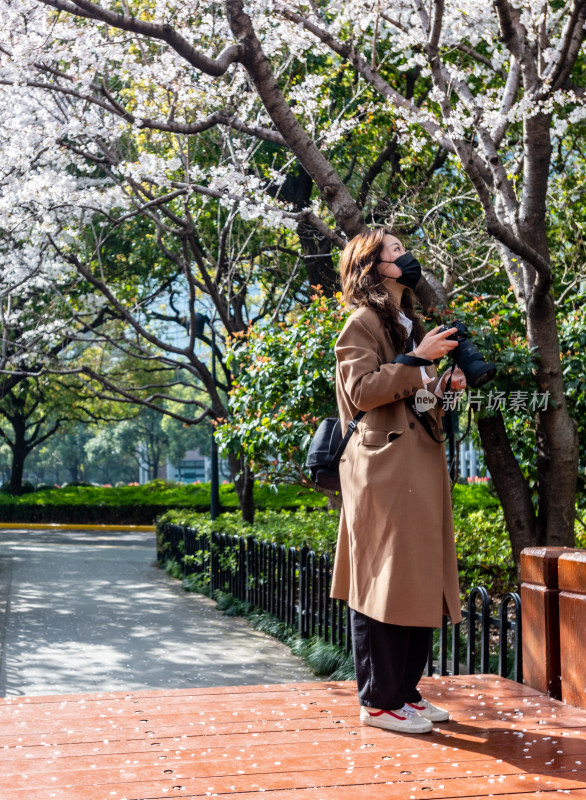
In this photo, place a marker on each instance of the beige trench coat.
(396, 556)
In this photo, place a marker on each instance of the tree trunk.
(16, 472)
(556, 434)
(19, 454)
(317, 250)
(73, 470)
(510, 484)
(556, 442)
(334, 500)
(244, 485)
(556, 431)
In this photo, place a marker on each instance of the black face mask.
(410, 270)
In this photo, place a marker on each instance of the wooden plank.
(237, 702)
(233, 766)
(465, 685)
(252, 785)
(177, 725)
(379, 741)
(466, 744)
(289, 752)
(505, 740)
(181, 734)
(181, 693)
(289, 704)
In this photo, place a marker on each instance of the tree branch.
(339, 199)
(164, 32)
(470, 51)
(120, 395)
(348, 53)
(375, 168)
(508, 98)
(560, 69)
(300, 216)
(34, 442)
(514, 36)
(506, 235)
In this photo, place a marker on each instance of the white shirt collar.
(405, 322)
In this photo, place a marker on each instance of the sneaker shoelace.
(408, 711)
(402, 713)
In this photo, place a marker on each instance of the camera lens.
(471, 362)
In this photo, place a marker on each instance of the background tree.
(30, 427)
(284, 387)
(64, 459)
(148, 441)
(34, 410)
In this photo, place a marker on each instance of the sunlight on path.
(86, 611)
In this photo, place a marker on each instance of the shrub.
(482, 543)
(473, 497)
(299, 528)
(140, 504)
(26, 488)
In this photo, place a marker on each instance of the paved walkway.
(88, 611)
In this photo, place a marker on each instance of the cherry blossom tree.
(68, 213)
(120, 179)
(488, 89)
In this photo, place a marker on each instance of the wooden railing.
(553, 591)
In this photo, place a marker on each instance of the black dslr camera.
(467, 356)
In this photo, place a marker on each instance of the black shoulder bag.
(325, 451)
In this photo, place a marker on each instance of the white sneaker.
(427, 710)
(404, 720)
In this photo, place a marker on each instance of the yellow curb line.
(59, 526)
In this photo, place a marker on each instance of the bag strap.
(342, 446)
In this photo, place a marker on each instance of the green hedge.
(82, 515)
(293, 528)
(140, 504)
(482, 543)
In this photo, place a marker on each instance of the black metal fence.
(294, 586)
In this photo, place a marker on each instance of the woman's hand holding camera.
(435, 344)
(458, 380)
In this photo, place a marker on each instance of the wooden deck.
(253, 742)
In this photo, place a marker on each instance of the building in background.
(192, 468)
(470, 462)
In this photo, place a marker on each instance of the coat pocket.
(376, 438)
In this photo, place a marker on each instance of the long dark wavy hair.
(362, 285)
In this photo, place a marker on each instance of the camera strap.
(414, 361)
(410, 402)
(411, 361)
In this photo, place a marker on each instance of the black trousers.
(389, 661)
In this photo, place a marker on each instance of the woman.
(395, 558)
